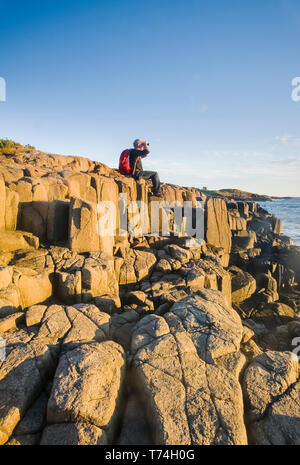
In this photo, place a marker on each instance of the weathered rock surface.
(136, 265)
(73, 434)
(29, 428)
(176, 364)
(67, 291)
(11, 241)
(218, 231)
(87, 386)
(243, 285)
(73, 325)
(272, 392)
(22, 376)
(34, 314)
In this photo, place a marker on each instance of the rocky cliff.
(141, 338)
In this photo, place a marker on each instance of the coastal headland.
(139, 338)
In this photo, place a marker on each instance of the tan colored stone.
(268, 377)
(35, 314)
(243, 285)
(87, 324)
(192, 393)
(183, 255)
(16, 240)
(272, 392)
(87, 384)
(34, 289)
(11, 210)
(10, 301)
(6, 274)
(73, 434)
(54, 325)
(163, 266)
(2, 203)
(69, 287)
(10, 322)
(98, 277)
(21, 381)
(218, 231)
(84, 233)
(281, 424)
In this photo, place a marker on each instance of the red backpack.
(124, 166)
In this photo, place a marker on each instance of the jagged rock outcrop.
(131, 336)
(217, 224)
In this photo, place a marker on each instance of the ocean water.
(287, 210)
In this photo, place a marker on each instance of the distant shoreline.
(243, 196)
(283, 198)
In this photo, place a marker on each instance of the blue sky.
(207, 83)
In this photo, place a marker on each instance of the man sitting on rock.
(136, 154)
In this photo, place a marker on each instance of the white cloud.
(287, 141)
(263, 172)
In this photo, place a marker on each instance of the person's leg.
(156, 183)
(153, 175)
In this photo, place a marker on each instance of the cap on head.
(136, 143)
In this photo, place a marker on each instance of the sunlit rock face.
(133, 336)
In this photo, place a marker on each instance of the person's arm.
(140, 153)
(144, 153)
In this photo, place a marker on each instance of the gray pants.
(150, 175)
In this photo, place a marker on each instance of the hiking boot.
(158, 193)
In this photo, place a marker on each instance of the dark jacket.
(135, 160)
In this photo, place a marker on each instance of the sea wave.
(288, 210)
